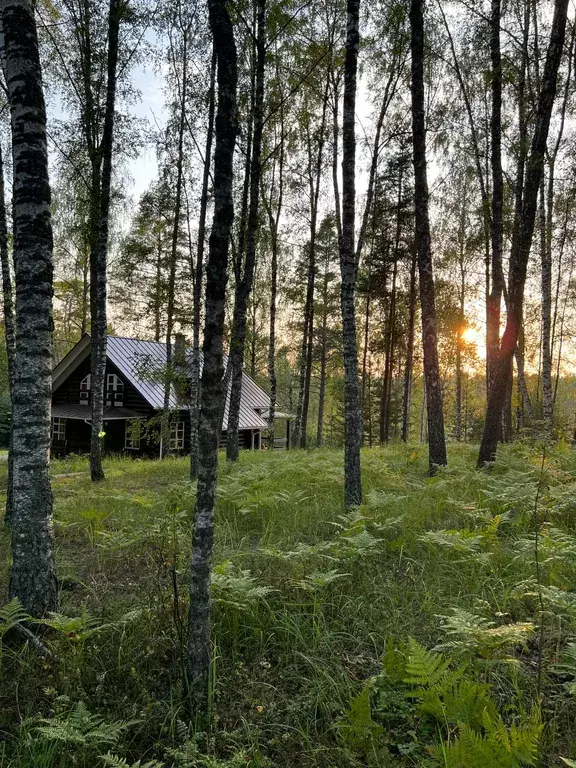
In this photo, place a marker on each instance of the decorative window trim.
(85, 387)
(114, 390)
(176, 442)
(131, 439)
(58, 429)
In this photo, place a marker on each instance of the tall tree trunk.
(197, 295)
(169, 374)
(274, 224)
(212, 393)
(349, 267)
(323, 355)
(305, 374)
(461, 319)
(99, 253)
(9, 329)
(407, 399)
(244, 286)
(436, 439)
(547, 203)
(521, 243)
(33, 579)
(497, 277)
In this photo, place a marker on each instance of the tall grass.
(305, 603)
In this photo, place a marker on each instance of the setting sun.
(471, 335)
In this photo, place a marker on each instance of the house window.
(85, 390)
(58, 429)
(132, 437)
(114, 390)
(176, 435)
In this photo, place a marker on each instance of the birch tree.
(212, 391)
(436, 439)
(33, 579)
(349, 267)
(522, 235)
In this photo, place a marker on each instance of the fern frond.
(11, 614)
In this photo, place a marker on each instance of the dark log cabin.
(133, 414)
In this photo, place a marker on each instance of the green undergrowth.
(415, 631)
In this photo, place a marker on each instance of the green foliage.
(237, 589)
(71, 737)
(12, 614)
(464, 714)
(113, 761)
(312, 615)
(468, 632)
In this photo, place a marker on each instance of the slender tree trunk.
(365, 341)
(274, 223)
(197, 296)
(33, 579)
(212, 393)
(497, 277)
(461, 319)
(349, 267)
(323, 355)
(520, 249)
(546, 312)
(9, 330)
(305, 374)
(407, 399)
(436, 439)
(244, 286)
(98, 256)
(169, 374)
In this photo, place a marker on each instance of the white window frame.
(85, 387)
(176, 436)
(58, 428)
(114, 390)
(131, 441)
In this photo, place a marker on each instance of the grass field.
(430, 627)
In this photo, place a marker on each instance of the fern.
(82, 728)
(236, 588)
(468, 632)
(494, 746)
(358, 729)
(12, 614)
(113, 761)
(461, 542)
(320, 580)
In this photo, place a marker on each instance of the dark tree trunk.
(407, 399)
(305, 375)
(521, 243)
(391, 360)
(169, 374)
(349, 267)
(197, 296)
(99, 253)
(323, 356)
(244, 285)
(212, 393)
(9, 329)
(274, 223)
(497, 277)
(436, 439)
(33, 579)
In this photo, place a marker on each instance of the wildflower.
(259, 709)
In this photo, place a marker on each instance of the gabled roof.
(142, 363)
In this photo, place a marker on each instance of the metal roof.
(84, 412)
(143, 362)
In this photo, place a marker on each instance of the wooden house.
(134, 402)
